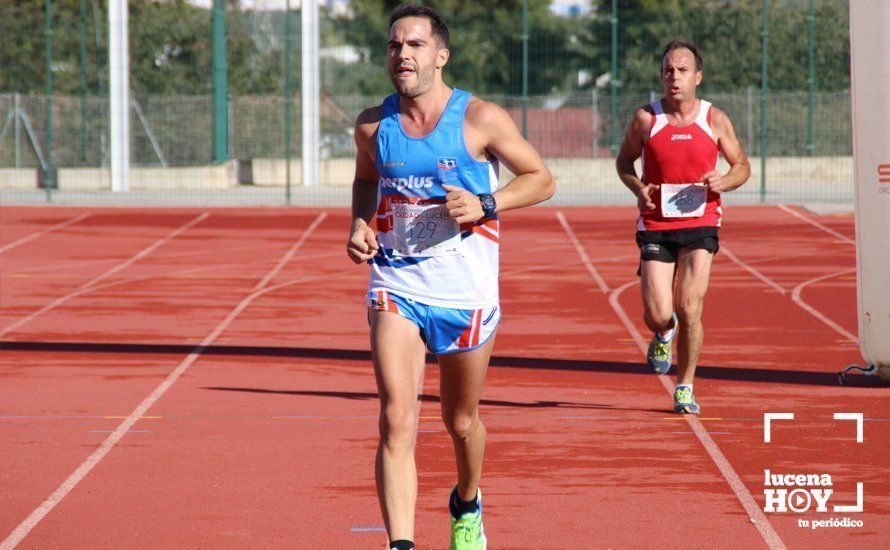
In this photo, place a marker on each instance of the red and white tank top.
(680, 155)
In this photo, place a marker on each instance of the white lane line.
(753, 510)
(367, 529)
(795, 295)
(41, 233)
(585, 259)
(95, 280)
(185, 273)
(290, 253)
(813, 222)
(754, 271)
(84, 469)
(190, 254)
(764, 527)
(625, 319)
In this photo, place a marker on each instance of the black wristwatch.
(489, 205)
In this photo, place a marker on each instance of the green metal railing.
(571, 82)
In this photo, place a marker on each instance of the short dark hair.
(440, 29)
(680, 44)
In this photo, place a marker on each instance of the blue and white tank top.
(423, 254)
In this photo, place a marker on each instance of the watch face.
(488, 204)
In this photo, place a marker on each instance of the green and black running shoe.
(659, 355)
(467, 532)
(684, 401)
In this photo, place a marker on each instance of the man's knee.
(460, 424)
(689, 310)
(398, 425)
(657, 317)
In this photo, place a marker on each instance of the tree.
(729, 35)
(486, 44)
(170, 48)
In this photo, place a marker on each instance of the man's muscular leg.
(657, 281)
(693, 273)
(462, 376)
(399, 355)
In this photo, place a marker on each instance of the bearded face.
(414, 56)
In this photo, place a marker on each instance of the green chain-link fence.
(573, 102)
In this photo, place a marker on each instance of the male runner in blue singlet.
(427, 173)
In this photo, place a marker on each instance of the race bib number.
(683, 200)
(424, 230)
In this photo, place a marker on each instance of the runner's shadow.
(739, 374)
(427, 398)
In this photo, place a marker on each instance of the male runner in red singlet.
(679, 138)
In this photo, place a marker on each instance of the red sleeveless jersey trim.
(679, 154)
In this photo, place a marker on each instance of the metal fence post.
(17, 121)
(763, 87)
(811, 81)
(525, 69)
(84, 132)
(48, 32)
(220, 84)
(750, 119)
(288, 44)
(597, 127)
(613, 80)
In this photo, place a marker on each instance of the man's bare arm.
(533, 182)
(362, 244)
(499, 136)
(631, 149)
(728, 142)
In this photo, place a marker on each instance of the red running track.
(182, 378)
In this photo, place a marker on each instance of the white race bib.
(683, 200)
(424, 230)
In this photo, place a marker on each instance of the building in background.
(571, 8)
(337, 7)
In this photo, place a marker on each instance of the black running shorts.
(662, 246)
